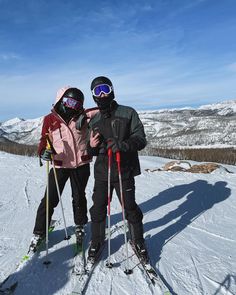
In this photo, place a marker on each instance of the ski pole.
(109, 264)
(46, 262)
(127, 270)
(67, 237)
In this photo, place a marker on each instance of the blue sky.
(158, 53)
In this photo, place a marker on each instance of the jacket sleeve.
(44, 132)
(85, 116)
(137, 140)
(91, 112)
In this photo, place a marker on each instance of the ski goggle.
(102, 88)
(72, 103)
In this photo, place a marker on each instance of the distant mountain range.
(207, 126)
(21, 131)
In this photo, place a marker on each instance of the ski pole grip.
(48, 145)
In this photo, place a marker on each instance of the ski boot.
(141, 250)
(79, 233)
(35, 242)
(93, 251)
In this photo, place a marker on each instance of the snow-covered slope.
(189, 224)
(209, 125)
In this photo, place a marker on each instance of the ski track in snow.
(201, 286)
(212, 234)
(27, 198)
(189, 224)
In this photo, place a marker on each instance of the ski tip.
(128, 271)
(24, 258)
(109, 265)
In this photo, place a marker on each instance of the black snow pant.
(78, 180)
(98, 211)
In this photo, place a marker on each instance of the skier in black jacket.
(119, 128)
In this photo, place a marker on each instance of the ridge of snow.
(12, 122)
(223, 107)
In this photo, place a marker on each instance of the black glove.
(116, 145)
(46, 155)
(81, 121)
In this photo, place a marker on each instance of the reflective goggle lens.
(72, 103)
(103, 88)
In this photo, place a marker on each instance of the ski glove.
(81, 121)
(46, 155)
(117, 145)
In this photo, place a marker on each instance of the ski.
(31, 253)
(79, 259)
(82, 279)
(23, 262)
(151, 273)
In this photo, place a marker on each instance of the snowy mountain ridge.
(209, 126)
(21, 130)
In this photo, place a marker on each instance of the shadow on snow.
(37, 278)
(199, 196)
(226, 284)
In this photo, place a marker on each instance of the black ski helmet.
(74, 93)
(66, 111)
(102, 102)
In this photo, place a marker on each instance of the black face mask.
(104, 102)
(67, 113)
(70, 112)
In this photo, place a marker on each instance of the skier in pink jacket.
(70, 158)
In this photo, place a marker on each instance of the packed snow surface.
(189, 224)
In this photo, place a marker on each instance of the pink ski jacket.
(68, 142)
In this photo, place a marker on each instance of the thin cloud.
(9, 56)
(232, 67)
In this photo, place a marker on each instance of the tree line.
(218, 155)
(18, 149)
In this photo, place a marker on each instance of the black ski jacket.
(122, 123)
